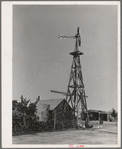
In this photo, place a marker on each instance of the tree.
(14, 104)
(24, 114)
(22, 106)
(114, 113)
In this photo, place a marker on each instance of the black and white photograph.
(61, 74)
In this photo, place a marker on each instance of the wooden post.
(54, 120)
(77, 115)
(38, 97)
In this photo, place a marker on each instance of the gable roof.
(52, 102)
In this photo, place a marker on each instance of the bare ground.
(107, 134)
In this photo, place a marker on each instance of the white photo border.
(7, 70)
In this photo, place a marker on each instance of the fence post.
(54, 120)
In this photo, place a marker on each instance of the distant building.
(95, 115)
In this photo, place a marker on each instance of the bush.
(24, 117)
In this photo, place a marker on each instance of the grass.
(107, 134)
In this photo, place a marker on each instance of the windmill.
(75, 95)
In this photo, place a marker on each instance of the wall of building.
(43, 112)
(66, 118)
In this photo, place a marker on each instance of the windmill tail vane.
(62, 36)
(77, 37)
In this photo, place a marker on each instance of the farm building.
(106, 116)
(51, 110)
(95, 114)
(58, 116)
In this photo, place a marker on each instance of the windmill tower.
(76, 91)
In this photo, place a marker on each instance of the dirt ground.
(105, 134)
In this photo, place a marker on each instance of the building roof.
(93, 110)
(52, 102)
(97, 111)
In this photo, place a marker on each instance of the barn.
(54, 111)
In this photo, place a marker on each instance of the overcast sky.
(41, 61)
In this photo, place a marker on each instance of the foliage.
(63, 120)
(23, 115)
(114, 113)
(31, 110)
(23, 105)
(14, 104)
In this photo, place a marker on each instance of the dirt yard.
(105, 134)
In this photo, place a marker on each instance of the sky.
(41, 61)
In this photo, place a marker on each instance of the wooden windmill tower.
(75, 95)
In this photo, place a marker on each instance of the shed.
(94, 114)
(45, 108)
(56, 112)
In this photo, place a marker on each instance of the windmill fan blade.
(78, 30)
(59, 92)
